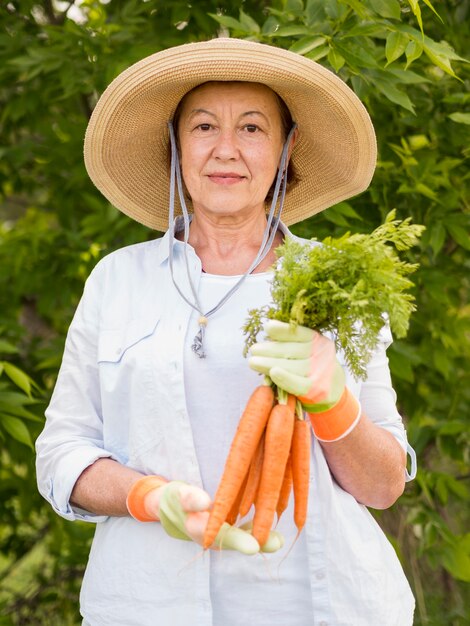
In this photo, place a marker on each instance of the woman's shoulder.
(129, 257)
(130, 267)
(134, 252)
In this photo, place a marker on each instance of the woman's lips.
(225, 178)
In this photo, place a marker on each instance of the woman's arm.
(369, 463)
(102, 488)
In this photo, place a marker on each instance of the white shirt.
(217, 389)
(121, 394)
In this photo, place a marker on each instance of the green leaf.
(413, 51)
(17, 429)
(20, 379)
(291, 31)
(414, 4)
(335, 217)
(248, 22)
(365, 29)
(456, 560)
(426, 191)
(228, 22)
(18, 411)
(418, 142)
(441, 489)
(356, 56)
(458, 488)
(440, 61)
(395, 46)
(314, 11)
(386, 8)
(428, 3)
(319, 53)
(454, 427)
(335, 59)
(436, 236)
(7, 348)
(407, 77)
(346, 209)
(459, 233)
(442, 363)
(400, 366)
(307, 44)
(395, 95)
(359, 7)
(270, 26)
(294, 6)
(460, 118)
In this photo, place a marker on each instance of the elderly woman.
(153, 380)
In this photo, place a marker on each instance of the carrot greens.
(345, 286)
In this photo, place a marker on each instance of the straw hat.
(126, 143)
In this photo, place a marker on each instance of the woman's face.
(231, 139)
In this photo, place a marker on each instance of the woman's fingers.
(280, 331)
(275, 540)
(289, 381)
(282, 349)
(194, 499)
(264, 365)
(195, 525)
(228, 538)
(233, 538)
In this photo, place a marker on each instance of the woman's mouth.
(225, 178)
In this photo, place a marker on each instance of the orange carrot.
(301, 442)
(249, 431)
(276, 452)
(254, 476)
(286, 489)
(235, 508)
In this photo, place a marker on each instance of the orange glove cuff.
(338, 421)
(136, 497)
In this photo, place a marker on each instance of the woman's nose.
(226, 145)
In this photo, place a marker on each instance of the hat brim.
(126, 142)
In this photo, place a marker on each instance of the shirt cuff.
(67, 472)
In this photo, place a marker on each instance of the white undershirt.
(217, 389)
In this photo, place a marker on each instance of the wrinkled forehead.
(258, 95)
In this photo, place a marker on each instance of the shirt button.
(323, 623)
(320, 576)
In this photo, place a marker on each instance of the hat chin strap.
(272, 224)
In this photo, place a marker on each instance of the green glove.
(302, 362)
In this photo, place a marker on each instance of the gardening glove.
(303, 362)
(183, 511)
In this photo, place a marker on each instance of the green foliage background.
(404, 59)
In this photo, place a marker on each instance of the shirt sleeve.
(72, 438)
(378, 398)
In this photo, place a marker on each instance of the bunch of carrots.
(269, 457)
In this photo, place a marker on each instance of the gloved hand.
(303, 363)
(183, 511)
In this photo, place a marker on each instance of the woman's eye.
(204, 127)
(251, 128)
